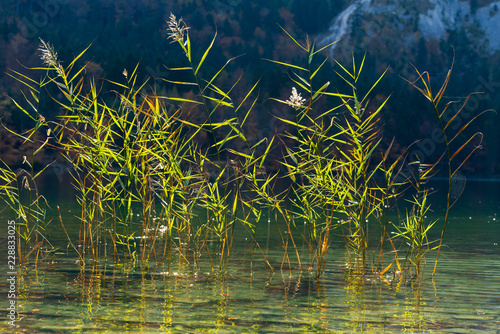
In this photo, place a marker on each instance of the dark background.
(123, 33)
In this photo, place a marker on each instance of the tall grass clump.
(164, 176)
(458, 147)
(144, 155)
(332, 165)
(342, 178)
(18, 188)
(221, 171)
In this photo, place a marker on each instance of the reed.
(310, 163)
(19, 188)
(158, 177)
(413, 228)
(332, 165)
(221, 194)
(456, 151)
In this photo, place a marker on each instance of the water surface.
(60, 296)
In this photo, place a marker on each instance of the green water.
(59, 296)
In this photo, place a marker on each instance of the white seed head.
(48, 54)
(177, 29)
(296, 101)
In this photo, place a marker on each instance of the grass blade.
(205, 54)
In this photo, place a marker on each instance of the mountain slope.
(365, 20)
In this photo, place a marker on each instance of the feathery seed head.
(296, 101)
(48, 54)
(177, 29)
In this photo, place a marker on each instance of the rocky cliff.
(365, 20)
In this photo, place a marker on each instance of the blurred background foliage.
(126, 32)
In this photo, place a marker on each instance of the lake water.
(59, 296)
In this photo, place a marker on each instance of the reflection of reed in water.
(457, 185)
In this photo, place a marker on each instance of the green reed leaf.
(78, 73)
(219, 91)
(217, 74)
(179, 99)
(291, 155)
(311, 55)
(300, 85)
(293, 39)
(178, 68)
(241, 154)
(360, 67)
(292, 122)
(374, 85)
(180, 82)
(188, 45)
(205, 54)
(325, 47)
(285, 64)
(221, 143)
(246, 97)
(23, 82)
(79, 56)
(249, 110)
(317, 70)
(320, 91)
(218, 101)
(346, 71)
(23, 110)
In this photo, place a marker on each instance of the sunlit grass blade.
(180, 82)
(285, 64)
(293, 39)
(30, 86)
(78, 56)
(304, 81)
(219, 91)
(358, 75)
(319, 68)
(325, 47)
(218, 72)
(264, 156)
(374, 85)
(346, 71)
(179, 99)
(320, 91)
(298, 125)
(427, 93)
(218, 101)
(311, 54)
(205, 54)
(179, 68)
(23, 110)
